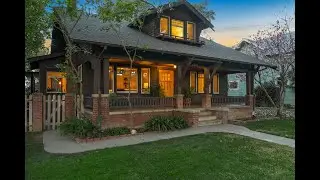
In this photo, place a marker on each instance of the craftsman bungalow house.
(176, 58)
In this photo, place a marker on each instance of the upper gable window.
(190, 31)
(164, 25)
(177, 29)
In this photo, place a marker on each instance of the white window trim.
(142, 81)
(218, 84)
(194, 30)
(234, 89)
(196, 88)
(169, 25)
(126, 92)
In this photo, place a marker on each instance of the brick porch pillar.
(103, 108)
(179, 101)
(37, 110)
(69, 105)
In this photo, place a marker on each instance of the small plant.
(187, 92)
(165, 123)
(116, 131)
(156, 91)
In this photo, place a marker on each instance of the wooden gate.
(53, 110)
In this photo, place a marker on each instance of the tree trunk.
(281, 100)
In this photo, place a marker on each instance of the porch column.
(105, 76)
(249, 88)
(177, 89)
(206, 97)
(96, 76)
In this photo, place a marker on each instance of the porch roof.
(92, 30)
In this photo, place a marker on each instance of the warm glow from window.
(145, 80)
(56, 82)
(190, 31)
(216, 84)
(177, 29)
(164, 25)
(123, 77)
(111, 79)
(193, 81)
(201, 83)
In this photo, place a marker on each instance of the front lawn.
(284, 127)
(205, 156)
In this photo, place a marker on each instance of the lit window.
(177, 29)
(145, 80)
(164, 25)
(190, 31)
(200, 83)
(124, 75)
(216, 84)
(56, 82)
(193, 82)
(111, 79)
(233, 85)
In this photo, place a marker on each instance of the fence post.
(37, 112)
(69, 105)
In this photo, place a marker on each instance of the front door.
(166, 80)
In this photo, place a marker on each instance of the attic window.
(190, 31)
(177, 29)
(164, 25)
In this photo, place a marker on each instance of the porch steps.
(207, 119)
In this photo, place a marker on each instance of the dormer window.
(177, 29)
(164, 25)
(190, 31)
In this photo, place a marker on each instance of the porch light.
(59, 82)
(174, 66)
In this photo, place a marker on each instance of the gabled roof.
(93, 31)
(189, 6)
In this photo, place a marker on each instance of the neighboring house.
(246, 46)
(176, 58)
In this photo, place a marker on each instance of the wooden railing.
(227, 100)
(141, 102)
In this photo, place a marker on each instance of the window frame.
(196, 83)
(62, 77)
(194, 31)
(169, 25)
(131, 91)
(234, 89)
(112, 68)
(149, 69)
(218, 92)
(175, 37)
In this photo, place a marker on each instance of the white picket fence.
(53, 110)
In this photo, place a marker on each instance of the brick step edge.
(89, 140)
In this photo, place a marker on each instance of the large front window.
(56, 82)
(145, 80)
(216, 84)
(177, 30)
(200, 83)
(193, 82)
(127, 80)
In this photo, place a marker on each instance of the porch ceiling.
(141, 62)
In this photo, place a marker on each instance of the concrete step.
(207, 118)
(205, 113)
(209, 123)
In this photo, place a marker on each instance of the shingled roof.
(92, 30)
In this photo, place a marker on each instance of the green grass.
(206, 156)
(285, 128)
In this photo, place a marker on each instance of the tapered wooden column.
(206, 97)
(106, 76)
(249, 88)
(177, 89)
(96, 76)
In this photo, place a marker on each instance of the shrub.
(116, 131)
(261, 97)
(79, 127)
(165, 123)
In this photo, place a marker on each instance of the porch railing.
(141, 102)
(227, 100)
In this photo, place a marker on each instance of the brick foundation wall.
(239, 113)
(37, 117)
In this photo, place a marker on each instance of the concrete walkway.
(54, 143)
